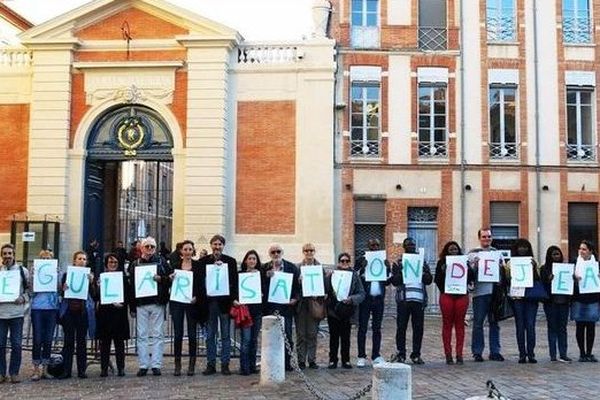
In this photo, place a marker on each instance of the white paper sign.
(456, 275)
(45, 276)
(111, 288)
(145, 285)
(590, 282)
(280, 288)
(562, 283)
(10, 285)
(412, 268)
(312, 281)
(341, 281)
(77, 282)
(250, 288)
(375, 270)
(488, 267)
(521, 272)
(217, 280)
(516, 291)
(28, 237)
(182, 287)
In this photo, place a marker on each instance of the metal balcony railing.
(504, 151)
(365, 148)
(577, 30)
(501, 29)
(581, 152)
(433, 150)
(432, 38)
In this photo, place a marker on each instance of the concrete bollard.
(272, 352)
(392, 381)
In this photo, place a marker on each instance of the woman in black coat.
(112, 322)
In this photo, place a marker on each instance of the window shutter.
(583, 214)
(504, 213)
(369, 212)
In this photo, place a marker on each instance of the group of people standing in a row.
(365, 302)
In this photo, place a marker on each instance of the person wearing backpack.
(11, 318)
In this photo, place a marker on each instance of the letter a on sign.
(280, 288)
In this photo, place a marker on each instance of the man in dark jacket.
(411, 300)
(150, 311)
(278, 264)
(219, 307)
(372, 306)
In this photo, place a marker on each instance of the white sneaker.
(378, 360)
(361, 362)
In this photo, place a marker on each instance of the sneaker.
(459, 360)
(417, 360)
(565, 360)
(346, 365)
(156, 372)
(477, 358)
(522, 360)
(377, 360)
(449, 360)
(592, 358)
(583, 358)
(313, 365)
(142, 372)
(532, 360)
(553, 359)
(496, 357)
(332, 365)
(361, 362)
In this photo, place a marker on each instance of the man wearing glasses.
(219, 307)
(482, 304)
(150, 311)
(278, 264)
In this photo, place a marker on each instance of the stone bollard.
(272, 351)
(392, 381)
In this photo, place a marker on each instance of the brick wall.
(14, 153)
(266, 167)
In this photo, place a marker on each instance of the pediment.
(147, 19)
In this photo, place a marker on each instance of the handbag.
(317, 309)
(502, 305)
(343, 310)
(537, 292)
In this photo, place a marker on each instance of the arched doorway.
(128, 177)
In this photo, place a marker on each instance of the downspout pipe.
(462, 126)
(538, 184)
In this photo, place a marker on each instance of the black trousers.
(414, 311)
(75, 325)
(105, 353)
(339, 330)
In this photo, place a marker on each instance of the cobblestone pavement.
(432, 381)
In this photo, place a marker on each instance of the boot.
(210, 369)
(192, 367)
(177, 366)
(36, 376)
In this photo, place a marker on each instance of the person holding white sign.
(279, 264)
(149, 311)
(585, 308)
(373, 305)
(483, 299)
(341, 313)
(44, 307)
(453, 306)
(112, 322)
(307, 326)
(251, 264)
(74, 319)
(189, 310)
(557, 306)
(525, 306)
(411, 300)
(13, 285)
(219, 306)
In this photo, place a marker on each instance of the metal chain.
(316, 392)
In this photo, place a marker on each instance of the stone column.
(392, 381)
(272, 351)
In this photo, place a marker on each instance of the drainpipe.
(462, 126)
(538, 205)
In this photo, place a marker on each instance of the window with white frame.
(580, 123)
(501, 21)
(576, 21)
(504, 223)
(364, 19)
(432, 120)
(365, 111)
(503, 121)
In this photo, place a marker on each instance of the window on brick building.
(501, 21)
(504, 222)
(364, 32)
(580, 124)
(369, 223)
(432, 121)
(433, 32)
(583, 225)
(503, 121)
(576, 21)
(365, 91)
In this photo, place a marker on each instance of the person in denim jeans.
(11, 317)
(482, 304)
(251, 263)
(371, 308)
(44, 310)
